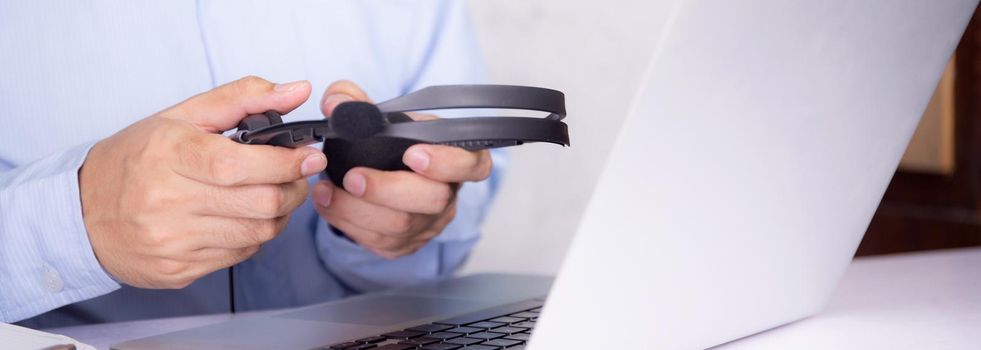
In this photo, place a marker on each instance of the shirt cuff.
(47, 259)
(363, 271)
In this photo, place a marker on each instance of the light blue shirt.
(74, 72)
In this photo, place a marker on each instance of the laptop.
(755, 154)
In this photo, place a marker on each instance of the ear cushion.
(357, 120)
(382, 153)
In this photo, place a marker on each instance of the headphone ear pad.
(382, 153)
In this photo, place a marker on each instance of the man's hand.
(169, 199)
(394, 213)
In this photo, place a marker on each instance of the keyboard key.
(482, 347)
(346, 345)
(465, 330)
(509, 319)
(509, 330)
(371, 340)
(430, 328)
(443, 346)
(526, 314)
(485, 325)
(525, 324)
(420, 341)
(403, 334)
(519, 336)
(486, 335)
(502, 342)
(444, 335)
(464, 341)
(363, 347)
(395, 347)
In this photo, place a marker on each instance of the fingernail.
(354, 183)
(417, 159)
(332, 101)
(282, 88)
(313, 164)
(322, 194)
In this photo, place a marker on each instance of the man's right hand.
(169, 199)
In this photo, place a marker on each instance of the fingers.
(399, 190)
(223, 107)
(267, 201)
(223, 257)
(235, 233)
(394, 213)
(216, 160)
(374, 242)
(369, 216)
(343, 213)
(179, 273)
(421, 116)
(169, 200)
(339, 92)
(448, 164)
(386, 246)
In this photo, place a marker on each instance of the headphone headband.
(268, 128)
(480, 96)
(376, 136)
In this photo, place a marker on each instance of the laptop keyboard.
(503, 327)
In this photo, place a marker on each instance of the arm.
(447, 55)
(46, 260)
(159, 204)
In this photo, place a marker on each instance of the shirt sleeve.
(445, 52)
(46, 260)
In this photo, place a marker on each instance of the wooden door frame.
(929, 211)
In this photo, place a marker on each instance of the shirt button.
(51, 280)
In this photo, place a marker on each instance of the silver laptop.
(736, 194)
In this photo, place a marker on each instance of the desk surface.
(909, 301)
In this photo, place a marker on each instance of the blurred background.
(595, 53)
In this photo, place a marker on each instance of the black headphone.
(376, 136)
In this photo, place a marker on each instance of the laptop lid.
(744, 177)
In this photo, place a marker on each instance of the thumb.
(222, 108)
(339, 92)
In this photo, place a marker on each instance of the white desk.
(910, 301)
(907, 301)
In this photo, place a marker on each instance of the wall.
(595, 54)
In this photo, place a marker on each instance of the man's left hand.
(394, 213)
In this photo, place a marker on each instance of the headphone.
(376, 135)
